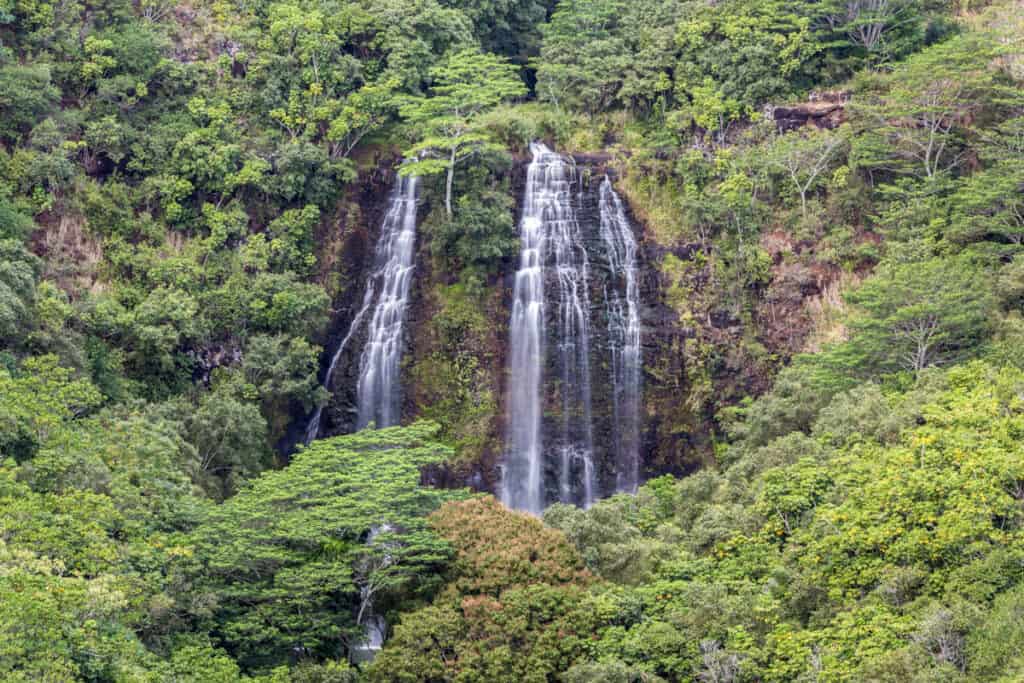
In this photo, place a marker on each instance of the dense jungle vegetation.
(176, 179)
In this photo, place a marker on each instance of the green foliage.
(917, 119)
(28, 95)
(37, 402)
(14, 224)
(291, 561)
(800, 391)
(916, 315)
(19, 271)
(464, 87)
(695, 64)
(986, 206)
(740, 55)
(61, 627)
(608, 671)
(230, 438)
(867, 558)
(859, 32)
(139, 459)
(282, 368)
(507, 27)
(481, 236)
(806, 157)
(994, 647)
(611, 539)
(516, 126)
(589, 61)
(454, 386)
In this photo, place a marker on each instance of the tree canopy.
(827, 201)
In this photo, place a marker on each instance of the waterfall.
(551, 244)
(572, 341)
(522, 480)
(623, 312)
(374, 625)
(313, 429)
(378, 389)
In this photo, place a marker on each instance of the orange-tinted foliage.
(497, 549)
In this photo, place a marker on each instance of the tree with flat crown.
(467, 85)
(297, 558)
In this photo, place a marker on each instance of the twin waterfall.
(574, 356)
(387, 293)
(550, 445)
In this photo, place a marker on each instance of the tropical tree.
(362, 112)
(291, 558)
(989, 205)
(37, 402)
(467, 85)
(54, 623)
(914, 315)
(26, 94)
(919, 123)
(741, 54)
(804, 156)
(230, 437)
(878, 29)
(583, 56)
(510, 611)
(531, 552)
(19, 271)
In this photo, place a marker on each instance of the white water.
(522, 480)
(393, 270)
(623, 311)
(572, 337)
(375, 627)
(379, 390)
(313, 429)
(550, 239)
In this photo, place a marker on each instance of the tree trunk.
(448, 184)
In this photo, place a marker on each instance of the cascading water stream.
(378, 389)
(313, 429)
(572, 267)
(374, 625)
(623, 311)
(550, 241)
(522, 480)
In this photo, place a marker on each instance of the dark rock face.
(347, 259)
(661, 347)
(822, 110)
(664, 446)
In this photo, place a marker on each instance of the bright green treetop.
(296, 559)
(467, 85)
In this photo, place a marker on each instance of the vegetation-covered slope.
(844, 298)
